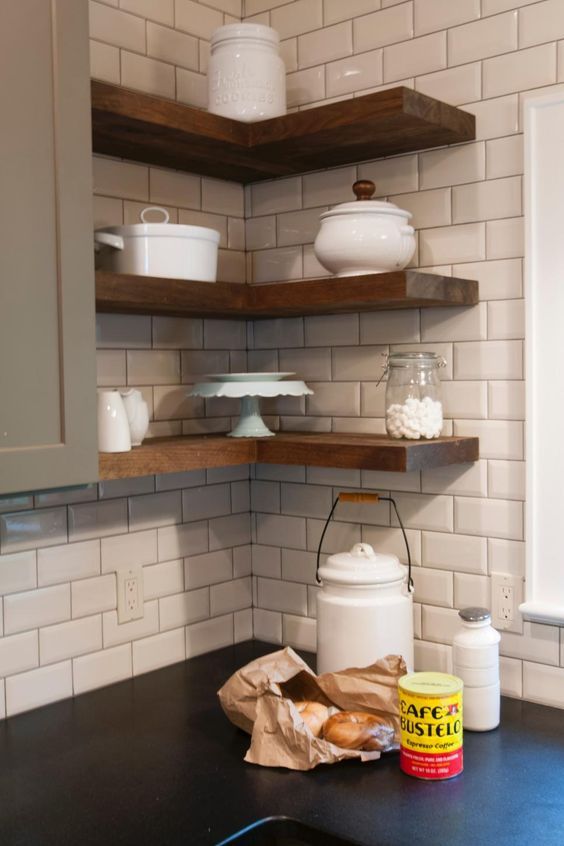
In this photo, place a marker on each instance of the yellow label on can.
(431, 725)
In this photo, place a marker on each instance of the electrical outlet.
(507, 595)
(130, 594)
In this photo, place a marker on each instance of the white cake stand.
(250, 423)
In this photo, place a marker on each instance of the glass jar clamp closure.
(414, 407)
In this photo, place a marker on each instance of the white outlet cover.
(130, 607)
(498, 582)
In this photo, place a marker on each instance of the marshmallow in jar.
(246, 76)
(414, 407)
(475, 657)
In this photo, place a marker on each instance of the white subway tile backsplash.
(543, 684)
(34, 608)
(298, 566)
(66, 563)
(191, 88)
(209, 635)
(279, 530)
(465, 399)
(498, 280)
(511, 677)
(431, 15)
(506, 479)
(495, 518)
(328, 187)
(172, 46)
(266, 561)
(18, 572)
(182, 540)
(433, 587)
(115, 178)
(234, 530)
(325, 45)
(504, 157)
(435, 657)
(541, 22)
(450, 244)
(277, 265)
(160, 650)
(519, 71)
(300, 632)
(384, 27)
(208, 569)
(129, 550)
(454, 552)
(452, 166)
(439, 624)
(471, 591)
(92, 596)
(506, 400)
(67, 640)
(38, 687)
(390, 541)
(155, 10)
(265, 496)
(488, 37)
(163, 579)
(31, 529)
(115, 632)
(457, 479)
(498, 438)
(196, 19)
(354, 73)
(538, 642)
(184, 608)
(18, 653)
(101, 668)
(414, 57)
(506, 319)
(454, 324)
(153, 367)
(295, 18)
(425, 512)
(506, 556)
(97, 519)
(205, 502)
(115, 27)
(397, 175)
(505, 238)
(116, 488)
(282, 596)
(334, 398)
(149, 75)
(488, 360)
(267, 625)
(230, 596)
(104, 64)
(496, 198)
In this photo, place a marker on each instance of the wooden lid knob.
(364, 189)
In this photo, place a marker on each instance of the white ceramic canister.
(170, 250)
(113, 425)
(364, 610)
(476, 662)
(246, 76)
(365, 236)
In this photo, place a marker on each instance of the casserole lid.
(166, 229)
(364, 189)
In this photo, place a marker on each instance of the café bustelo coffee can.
(431, 725)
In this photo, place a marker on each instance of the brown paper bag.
(259, 698)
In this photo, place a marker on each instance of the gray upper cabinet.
(47, 323)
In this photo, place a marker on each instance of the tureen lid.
(362, 566)
(364, 204)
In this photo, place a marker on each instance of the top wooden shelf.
(149, 129)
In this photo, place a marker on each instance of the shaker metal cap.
(474, 614)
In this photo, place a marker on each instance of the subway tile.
(281, 530)
(506, 400)
(454, 324)
(209, 635)
(225, 334)
(18, 653)
(117, 28)
(504, 157)
(325, 45)
(288, 51)
(309, 364)
(431, 15)
(390, 542)
(232, 266)
(519, 71)
(174, 188)
(382, 480)
(541, 22)
(495, 118)
(153, 367)
(92, 596)
(498, 438)
(182, 540)
(16, 503)
(425, 512)
(449, 244)
(334, 398)
(280, 472)
(338, 329)
(222, 197)
(172, 46)
(465, 399)
(538, 642)
(192, 217)
(335, 11)
(97, 519)
(104, 62)
(242, 561)
(297, 566)
(217, 475)
(265, 496)
(415, 57)
(305, 500)
(358, 425)
(460, 479)
(334, 476)
(277, 265)
(511, 677)
(298, 227)
(279, 332)
(506, 319)
(493, 7)
(433, 657)
(354, 73)
(506, 479)
(234, 530)
(31, 529)
(120, 179)
(240, 497)
(110, 368)
(155, 10)
(267, 625)
(154, 510)
(488, 360)
(295, 18)
(505, 238)
(148, 75)
(433, 587)
(471, 591)
(205, 502)
(236, 233)
(163, 579)
(230, 596)
(312, 594)
(339, 535)
(159, 650)
(198, 363)
(182, 479)
(131, 550)
(396, 175)
(31, 609)
(123, 330)
(67, 562)
(328, 186)
(452, 166)
(455, 552)
(401, 326)
(115, 488)
(116, 632)
(429, 208)
(484, 38)
(67, 640)
(489, 517)
(439, 624)
(108, 211)
(495, 198)
(38, 687)
(305, 424)
(101, 668)
(260, 232)
(282, 596)
(174, 403)
(300, 632)
(18, 572)
(209, 568)
(498, 280)
(184, 608)
(388, 26)
(191, 88)
(196, 19)
(277, 196)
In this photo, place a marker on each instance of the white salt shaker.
(246, 75)
(476, 662)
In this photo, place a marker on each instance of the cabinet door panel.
(47, 345)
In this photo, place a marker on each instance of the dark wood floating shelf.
(116, 292)
(163, 132)
(369, 452)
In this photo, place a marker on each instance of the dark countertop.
(153, 760)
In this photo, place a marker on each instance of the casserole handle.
(108, 240)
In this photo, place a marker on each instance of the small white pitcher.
(113, 425)
(137, 412)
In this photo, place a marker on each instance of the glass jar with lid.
(414, 406)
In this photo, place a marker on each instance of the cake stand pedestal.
(250, 423)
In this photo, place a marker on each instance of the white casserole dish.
(175, 251)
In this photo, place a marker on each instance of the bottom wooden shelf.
(369, 452)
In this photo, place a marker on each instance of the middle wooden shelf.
(125, 294)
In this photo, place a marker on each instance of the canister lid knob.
(364, 189)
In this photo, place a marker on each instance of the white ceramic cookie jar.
(365, 236)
